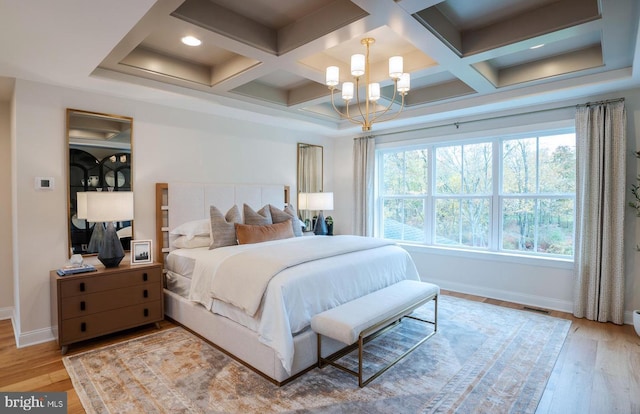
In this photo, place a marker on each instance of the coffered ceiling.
(269, 57)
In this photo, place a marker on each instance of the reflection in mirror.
(310, 164)
(100, 151)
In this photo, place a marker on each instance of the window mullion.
(496, 201)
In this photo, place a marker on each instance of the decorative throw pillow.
(223, 232)
(190, 229)
(183, 242)
(248, 233)
(260, 217)
(289, 213)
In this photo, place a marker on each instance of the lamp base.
(321, 226)
(111, 252)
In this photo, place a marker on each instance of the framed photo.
(141, 252)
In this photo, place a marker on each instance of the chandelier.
(368, 113)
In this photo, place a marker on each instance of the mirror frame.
(302, 169)
(113, 165)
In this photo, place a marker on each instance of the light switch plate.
(45, 183)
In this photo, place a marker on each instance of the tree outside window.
(499, 194)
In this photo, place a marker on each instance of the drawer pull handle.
(83, 305)
(145, 293)
(146, 312)
(145, 277)
(83, 327)
(82, 288)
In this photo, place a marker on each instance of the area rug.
(483, 359)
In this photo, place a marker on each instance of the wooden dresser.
(91, 304)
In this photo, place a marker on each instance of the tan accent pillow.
(289, 213)
(223, 233)
(260, 217)
(248, 233)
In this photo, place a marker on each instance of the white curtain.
(363, 191)
(600, 206)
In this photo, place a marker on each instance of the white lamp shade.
(347, 91)
(404, 83)
(374, 91)
(302, 201)
(395, 67)
(333, 76)
(357, 65)
(81, 205)
(109, 206)
(319, 201)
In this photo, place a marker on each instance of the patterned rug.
(483, 359)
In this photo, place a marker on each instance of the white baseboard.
(524, 299)
(529, 300)
(34, 337)
(6, 313)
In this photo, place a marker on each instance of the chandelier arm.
(393, 98)
(334, 104)
(353, 121)
(394, 116)
(357, 93)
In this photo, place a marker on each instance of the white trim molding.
(6, 313)
(34, 337)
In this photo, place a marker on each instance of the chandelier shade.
(368, 111)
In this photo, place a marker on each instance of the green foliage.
(537, 174)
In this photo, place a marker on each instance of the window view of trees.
(463, 175)
(515, 194)
(405, 180)
(538, 184)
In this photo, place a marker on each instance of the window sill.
(555, 262)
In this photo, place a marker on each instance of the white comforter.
(299, 291)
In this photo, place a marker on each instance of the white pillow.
(183, 242)
(194, 228)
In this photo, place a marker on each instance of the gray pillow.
(257, 218)
(289, 213)
(223, 230)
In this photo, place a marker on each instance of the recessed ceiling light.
(536, 46)
(191, 41)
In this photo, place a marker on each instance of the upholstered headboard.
(178, 203)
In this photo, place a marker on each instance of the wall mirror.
(100, 159)
(310, 173)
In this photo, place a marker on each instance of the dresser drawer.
(107, 300)
(101, 282)
(85, 327)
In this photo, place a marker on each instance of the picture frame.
(141, 252)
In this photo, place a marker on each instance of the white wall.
(545, 284)
(169, 145)
(6, 274)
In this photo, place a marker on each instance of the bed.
(255, 301)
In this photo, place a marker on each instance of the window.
(510, 194)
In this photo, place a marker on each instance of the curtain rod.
(458, 123)
(601, 102)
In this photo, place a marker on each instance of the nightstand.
(92, 304)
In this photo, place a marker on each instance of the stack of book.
(73, 269)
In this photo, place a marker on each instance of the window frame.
(496, 198)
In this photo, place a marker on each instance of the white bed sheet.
(298, 293)
(183, 260)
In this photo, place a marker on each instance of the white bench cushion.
(345, 322)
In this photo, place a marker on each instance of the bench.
(356, 322)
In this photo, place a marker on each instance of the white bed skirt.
(243, 343)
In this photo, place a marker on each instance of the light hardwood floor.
(598, 370)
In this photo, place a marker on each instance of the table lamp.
(320, 202)
(109, 207)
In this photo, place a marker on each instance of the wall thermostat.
(45, 183)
